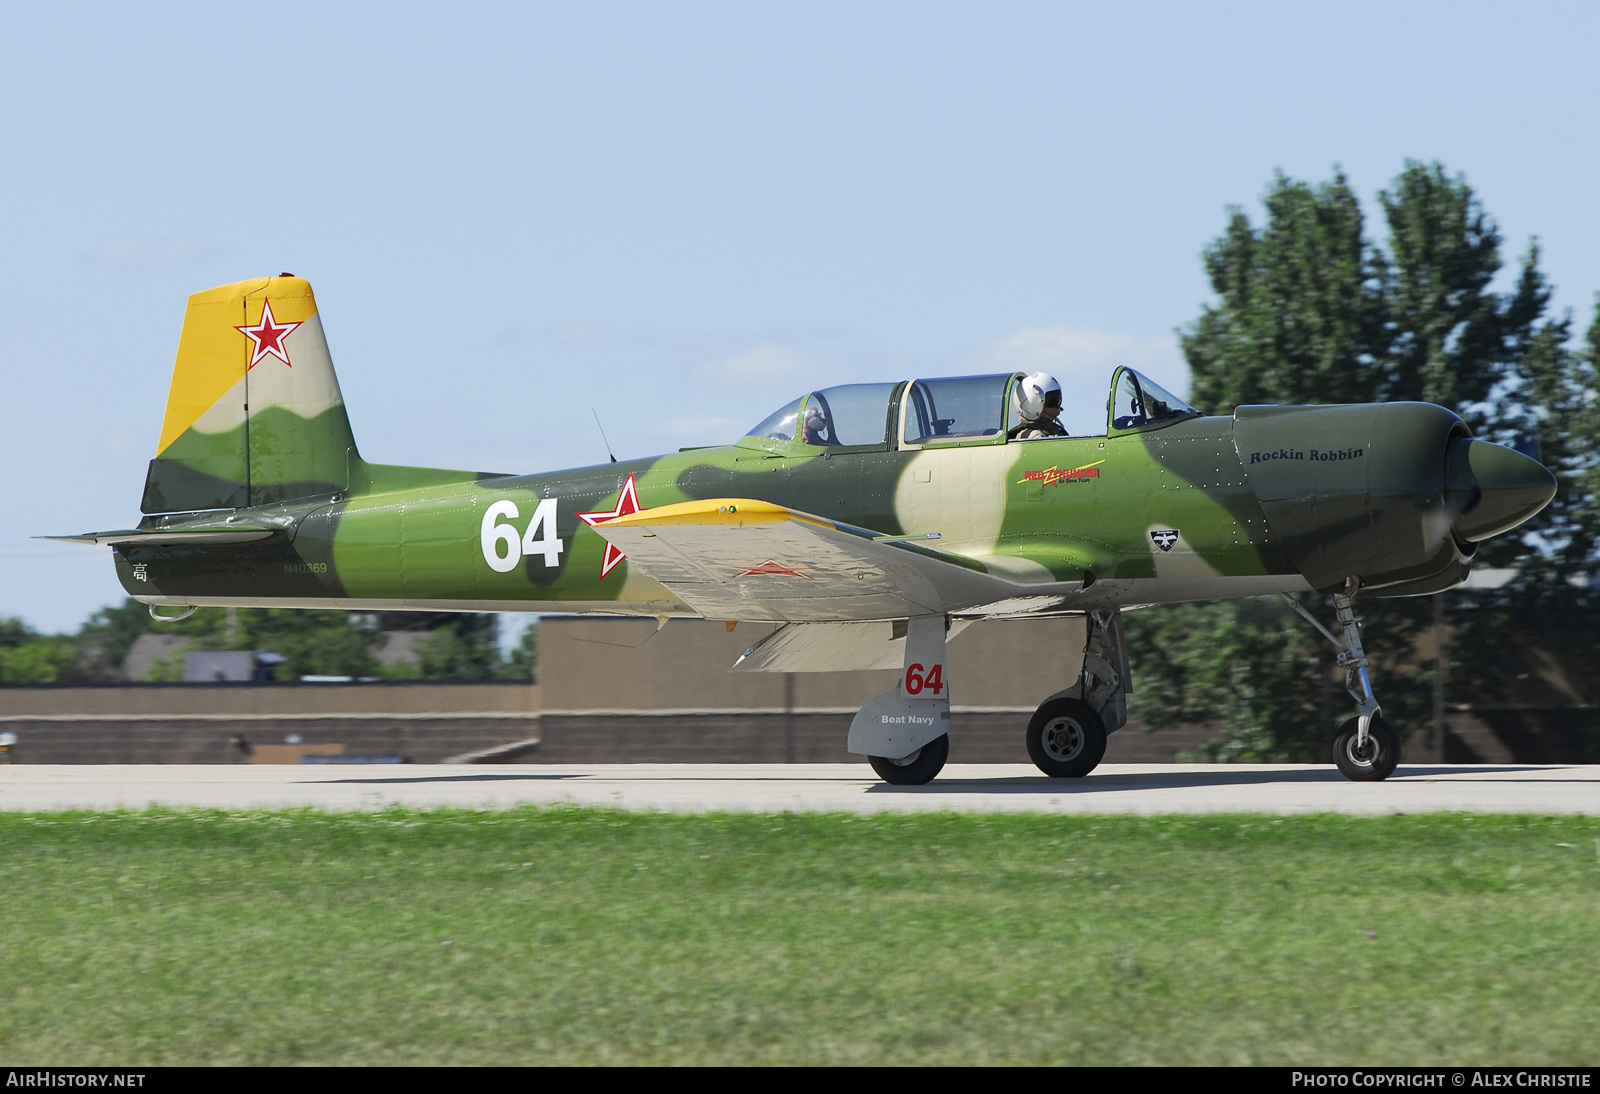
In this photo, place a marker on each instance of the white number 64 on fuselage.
(540, 538)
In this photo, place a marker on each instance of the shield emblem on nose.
(1164, 538)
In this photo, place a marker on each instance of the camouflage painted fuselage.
(1053, 514)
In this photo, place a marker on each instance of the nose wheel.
(1370, 760)
(1366, 749)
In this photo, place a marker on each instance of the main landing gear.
(1366, 749)
(1067, 734)
(1066, 738)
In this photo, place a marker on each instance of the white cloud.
(510, 338)
(718, 428)
(1084, 357)
(133, 252)
(765, 363)
(584, 334)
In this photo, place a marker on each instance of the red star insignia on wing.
(627, 502)
(268, 336)
(774, 568)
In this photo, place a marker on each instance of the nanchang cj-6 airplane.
(872, 521)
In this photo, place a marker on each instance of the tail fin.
(254, 415)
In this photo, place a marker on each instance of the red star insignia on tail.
(268, 335)
(627, 502)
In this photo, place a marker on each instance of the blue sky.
(684, 215)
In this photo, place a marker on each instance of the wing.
(733, 558)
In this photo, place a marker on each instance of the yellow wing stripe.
(213, 355)
(714, 511)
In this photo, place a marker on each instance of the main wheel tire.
(918, 768)
(1373, 763)
(1066, 738)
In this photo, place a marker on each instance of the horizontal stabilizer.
(735, 558)
(162, 537)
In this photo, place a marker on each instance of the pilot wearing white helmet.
(1038, 402)
(814, 425)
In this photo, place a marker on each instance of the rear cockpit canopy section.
(848, 416)
(958, 408)
(950, 410)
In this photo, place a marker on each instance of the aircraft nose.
(1496, 488)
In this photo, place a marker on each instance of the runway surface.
(685, 788)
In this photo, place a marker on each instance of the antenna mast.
(603, 436)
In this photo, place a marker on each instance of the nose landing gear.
(1366, 749)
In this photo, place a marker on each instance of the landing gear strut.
(905, 733)
(1366, 749)
(1067, 734)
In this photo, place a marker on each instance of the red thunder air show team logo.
(1052, 476)
(627, 502)
(268, 336)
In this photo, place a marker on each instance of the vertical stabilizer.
(255, 415)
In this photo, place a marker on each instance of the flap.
(833, 647)
(735, 558)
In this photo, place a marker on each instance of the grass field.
(567, 936)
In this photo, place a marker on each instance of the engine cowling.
(1398, 494)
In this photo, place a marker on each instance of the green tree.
(14, 632)
(106, 636)
(327, 643)
(28, 657)
(1453, 340)
(1301, 316)
(524, 661)
(467, 649)
(314, 642)
(1558, 395)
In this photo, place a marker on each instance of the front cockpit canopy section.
(1137, 402)
(780, 424)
